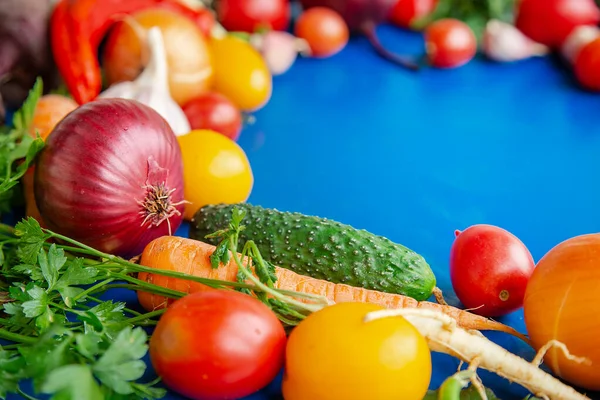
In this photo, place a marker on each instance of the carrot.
(443, 335)
(193, 258)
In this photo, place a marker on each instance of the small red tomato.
(251, 15)
(216, 112)
(450, 43)
(405, 12)
(550, 21)
(489, 270)
(324, 30)
(217, 344)
(587, 65)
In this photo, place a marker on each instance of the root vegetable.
(193, 257)
(445, 336)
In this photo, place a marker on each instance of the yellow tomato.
(241, 73)
(334, 354)
(215, 170)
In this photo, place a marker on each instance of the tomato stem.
(457, 232)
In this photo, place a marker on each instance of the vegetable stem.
(92, 289)
(15, 337)
(144, 317)
(452, 386)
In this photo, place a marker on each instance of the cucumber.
(323, 249)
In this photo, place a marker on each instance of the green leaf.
(121, 363)
(38, 303)
(88, 344)
(74, 382)
(32, 239)
(469, 393)
(31, 270)
(48, 354)
(11, 372)
(32, 147)
(23, 117)
(51, 263)
(220, 255)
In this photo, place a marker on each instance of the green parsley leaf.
(121, 363)
(24, 116)
(51, 263)
(11, 366)
(220, 255)
(88, 344)
(73, 382)
(32, 239)
(75, 274)
(31, 270)
(38, 303)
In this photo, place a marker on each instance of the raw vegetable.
(215, 169)
(24, 49)
(49, 110)
(560, 304)
(151, 87)
(550, 22)
(450, 43)
(323, 360)
(324, 249)
(489, 270)
(241, 73)
(189, 66)
(443, 335)
(586, 65)
(405, 12)
(199, 259)
(78, 27)
(279, 49)
(252, 15)
(579, 37)
(363, 16)
(220, 344)
(215, 112)
(324, 30)
(505, 43)
(114, 164)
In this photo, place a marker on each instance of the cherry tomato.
(550, 21)
(324, 30)
(450, 43)
(215, 170)
(333, 354)
(215, 112)
(489, 270)
(587, 65)
(241, 73)
(405, 12)
(217, 345)
(250, 15)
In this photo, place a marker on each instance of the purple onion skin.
(91, 176)
(358, 14)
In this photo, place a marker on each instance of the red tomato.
(324, 30)
(250, 15)
(587, 65)
(489, 270)
(217, 345)
(450, 43)
(216, 112)
(550, 21)
(405, 12)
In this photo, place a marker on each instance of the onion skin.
(92, 175)
(561, 302)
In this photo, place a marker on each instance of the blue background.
(414, 156)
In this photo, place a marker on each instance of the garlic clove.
(279, 49)
(504, 42)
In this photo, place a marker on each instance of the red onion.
(111, 176)
(363, 16)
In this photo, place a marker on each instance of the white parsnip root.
(444, 336)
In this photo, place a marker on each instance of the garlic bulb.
(151, 87)
(504, 42)
(279, 49)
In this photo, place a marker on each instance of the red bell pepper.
(78, 26)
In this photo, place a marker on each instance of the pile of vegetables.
(141, 134)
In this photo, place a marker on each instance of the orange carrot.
(193, 258)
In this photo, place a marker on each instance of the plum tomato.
(489, 270)
(217, 344)
(324, 30)
(334, 354)
(215, 170)
(450, 43)
(216, 112)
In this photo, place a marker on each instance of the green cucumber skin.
(323, 249)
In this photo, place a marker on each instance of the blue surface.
(415, 156)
